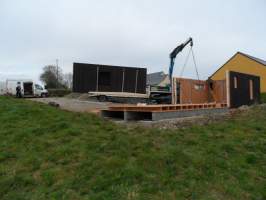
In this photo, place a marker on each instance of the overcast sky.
(137, 33)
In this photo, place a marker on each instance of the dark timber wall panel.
(84, 78)
(110, 78)
(240, 89)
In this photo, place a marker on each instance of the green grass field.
(46, 153)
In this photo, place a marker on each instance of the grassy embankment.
(47, 153)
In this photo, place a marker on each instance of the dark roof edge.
(252, 58)
(109, 65)
(157, 73)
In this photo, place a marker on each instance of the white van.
(28, 88)
(2, 88)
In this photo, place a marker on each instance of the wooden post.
(97, 79)
(191, 86)
(173, 87)
(228, 99)
(136, 83)
(123, 80)
(180, 92)
(251, 93)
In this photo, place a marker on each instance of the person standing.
(18, 90)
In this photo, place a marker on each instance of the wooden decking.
(166, 107)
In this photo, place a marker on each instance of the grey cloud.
(123, 32)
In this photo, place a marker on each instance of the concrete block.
(186, 113)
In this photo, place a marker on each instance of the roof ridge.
(261, 61)
(157, 72)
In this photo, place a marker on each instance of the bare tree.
(52, 76)
(68, 80)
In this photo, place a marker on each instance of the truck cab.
(40, 91)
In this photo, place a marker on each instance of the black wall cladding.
(241, 94)
(110, 78)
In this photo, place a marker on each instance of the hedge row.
(58, 92)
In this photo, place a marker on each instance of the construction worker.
(18, 90)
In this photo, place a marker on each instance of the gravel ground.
(74, 105)
(177, 123)
(185, 122)
(78, 105)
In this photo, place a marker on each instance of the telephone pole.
(57, 82)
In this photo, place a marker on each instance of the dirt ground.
(74, 105)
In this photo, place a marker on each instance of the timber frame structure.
(195, 97)
(108, 78)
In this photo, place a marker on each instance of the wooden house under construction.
(229, 87)
(235, 90)
(195, 97)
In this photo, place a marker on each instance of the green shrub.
(58, 92)
(263, 97)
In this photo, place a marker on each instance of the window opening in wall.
(211, 85)
(235, 82)
(199, 86)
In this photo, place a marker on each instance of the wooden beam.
(228, 88)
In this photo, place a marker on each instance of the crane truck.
(173, 55)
